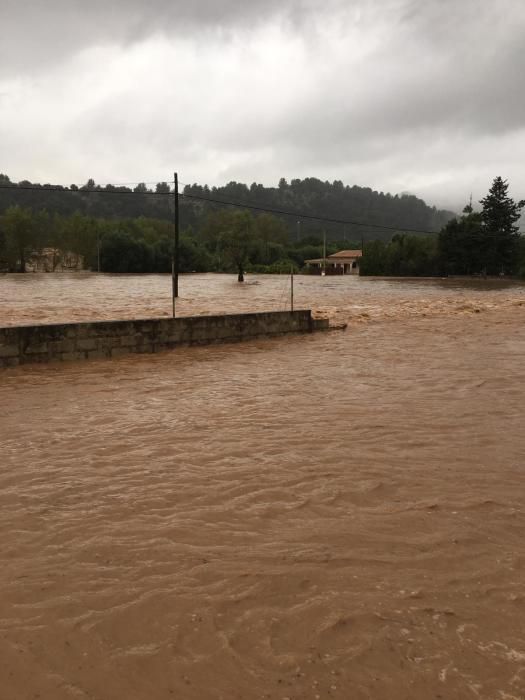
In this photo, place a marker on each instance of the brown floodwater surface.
(332, 516)
(59, 298)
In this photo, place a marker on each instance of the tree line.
(311, 197)
(226, 239)
(230, 240)
(485, 242)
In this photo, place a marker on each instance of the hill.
(367, 209)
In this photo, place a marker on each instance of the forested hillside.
(335, 201)
(366, 208)
(123, 229)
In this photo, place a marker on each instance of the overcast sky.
(425, 96)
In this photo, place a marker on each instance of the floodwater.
(59, 298)
(332, 516)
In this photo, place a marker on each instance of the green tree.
(233, 232)
(521, 257)
(82, 235)
(459, 244)
(90, 185)
(500, 240)
(269, 229)
(120, 252)
(374, 260)
(405, 255)
(19, 237)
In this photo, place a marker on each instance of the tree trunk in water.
(240, 276)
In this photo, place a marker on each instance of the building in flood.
(345, 262)
(54, 260)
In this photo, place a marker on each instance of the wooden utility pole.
(291, 290)
(175, 247)
(98, 251)
(324, 253)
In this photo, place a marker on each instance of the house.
(345, 262)
(54, 260)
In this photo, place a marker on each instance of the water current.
(332, 516)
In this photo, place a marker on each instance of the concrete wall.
(79, 341)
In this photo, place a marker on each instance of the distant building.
(345, 262)
(54, 260)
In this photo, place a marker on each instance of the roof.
(346, 254)
(341, 256)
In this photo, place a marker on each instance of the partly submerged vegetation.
(481, 243)
(42, 222)
(230, 240)
(131, 230)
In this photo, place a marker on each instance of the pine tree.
(500, 237)
(459, 244)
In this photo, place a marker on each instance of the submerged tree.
(230, 234)
(238, 241)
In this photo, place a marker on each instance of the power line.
(242, 205)
(300, 215)
(306, 216)
(213, 200)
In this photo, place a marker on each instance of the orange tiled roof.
(346, 254)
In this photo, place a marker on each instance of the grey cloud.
(51, 30)
(398, 92)
(463, 84)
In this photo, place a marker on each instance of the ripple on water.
(336, 515)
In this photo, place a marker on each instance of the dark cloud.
(46, 31)
(397, 94)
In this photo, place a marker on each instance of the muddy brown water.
(338, 515)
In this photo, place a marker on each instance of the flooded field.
(334, 516)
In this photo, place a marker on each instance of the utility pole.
(98, 251)
(291, 290)
(298, 230)
(324, 254)
(175, 247)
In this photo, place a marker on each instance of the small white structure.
(345, 262)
